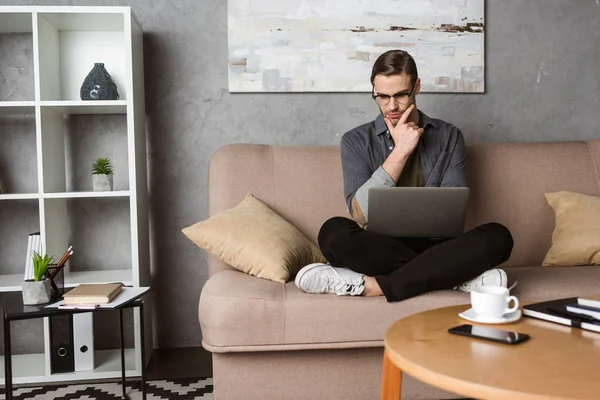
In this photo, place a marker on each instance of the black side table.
(16, 312)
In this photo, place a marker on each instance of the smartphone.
(495, 335)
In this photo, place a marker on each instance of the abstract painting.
(331, 45)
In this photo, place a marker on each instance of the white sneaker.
(323, 278)
(491, 277)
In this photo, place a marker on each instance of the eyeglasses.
(400, 97)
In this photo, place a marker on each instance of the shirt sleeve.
(455, 174)
(359, 177)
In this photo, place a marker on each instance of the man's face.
(398, 86)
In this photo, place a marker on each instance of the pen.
(64, 255)
(62, 262)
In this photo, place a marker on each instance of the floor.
(175, 373)
(179, 363)
(178, 389)
(184, 365)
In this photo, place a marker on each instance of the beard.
(396, 113)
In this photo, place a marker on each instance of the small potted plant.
(102, 174)
(37, 291)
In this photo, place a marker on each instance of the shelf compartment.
(87, 106)
(71, 143)
(99, 231)
(30, 368)
(18, 155)
(69, 46)
(27, 368)
(74, 278)
(18, 218)
(16, 63)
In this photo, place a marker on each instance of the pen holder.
(58, 288)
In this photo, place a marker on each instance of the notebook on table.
(590, 301)
(556, 311)
(100, 293)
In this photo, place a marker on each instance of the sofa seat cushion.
(239, 312)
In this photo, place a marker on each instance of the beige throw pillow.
(576, 237)
(256, 240)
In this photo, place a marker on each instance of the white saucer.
(471, 315)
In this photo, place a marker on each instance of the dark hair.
(395, 62)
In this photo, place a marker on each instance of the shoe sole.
(303, 272)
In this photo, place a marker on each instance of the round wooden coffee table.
(558, 362)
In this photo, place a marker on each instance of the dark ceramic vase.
(99, 85)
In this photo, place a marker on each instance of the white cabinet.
(35, 132)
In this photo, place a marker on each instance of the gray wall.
(542, 84)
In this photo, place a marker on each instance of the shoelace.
(471, 283)
(353, 289)
(342, 287)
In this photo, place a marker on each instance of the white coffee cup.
(492, 301)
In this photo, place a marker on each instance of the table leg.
(391, 383)
(122, 354)
(143, 352)
(7, 360)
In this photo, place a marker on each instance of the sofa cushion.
(239, 312)
(576, 237)
(254, 239)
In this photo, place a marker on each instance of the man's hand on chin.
(405, 134)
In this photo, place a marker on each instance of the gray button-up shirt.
(365, 148)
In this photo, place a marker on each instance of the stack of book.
(580, 312)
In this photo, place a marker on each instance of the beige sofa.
(272, 341)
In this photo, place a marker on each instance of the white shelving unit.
(67, 41)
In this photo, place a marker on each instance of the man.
(401, 147)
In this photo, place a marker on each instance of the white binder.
(83, 341)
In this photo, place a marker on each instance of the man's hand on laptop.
(405, 134)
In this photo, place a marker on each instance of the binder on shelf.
(36, 247)
(28, 257)
(38, 244)
(83, 341)
(61, 344)
(33, 243)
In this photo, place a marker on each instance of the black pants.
(405, 268)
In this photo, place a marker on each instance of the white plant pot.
(36, 292)
(102, 183)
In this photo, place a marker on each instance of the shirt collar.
(381, 127)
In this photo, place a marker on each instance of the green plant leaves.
(40, 265)
(102, 166)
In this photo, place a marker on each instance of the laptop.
(418, 212)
